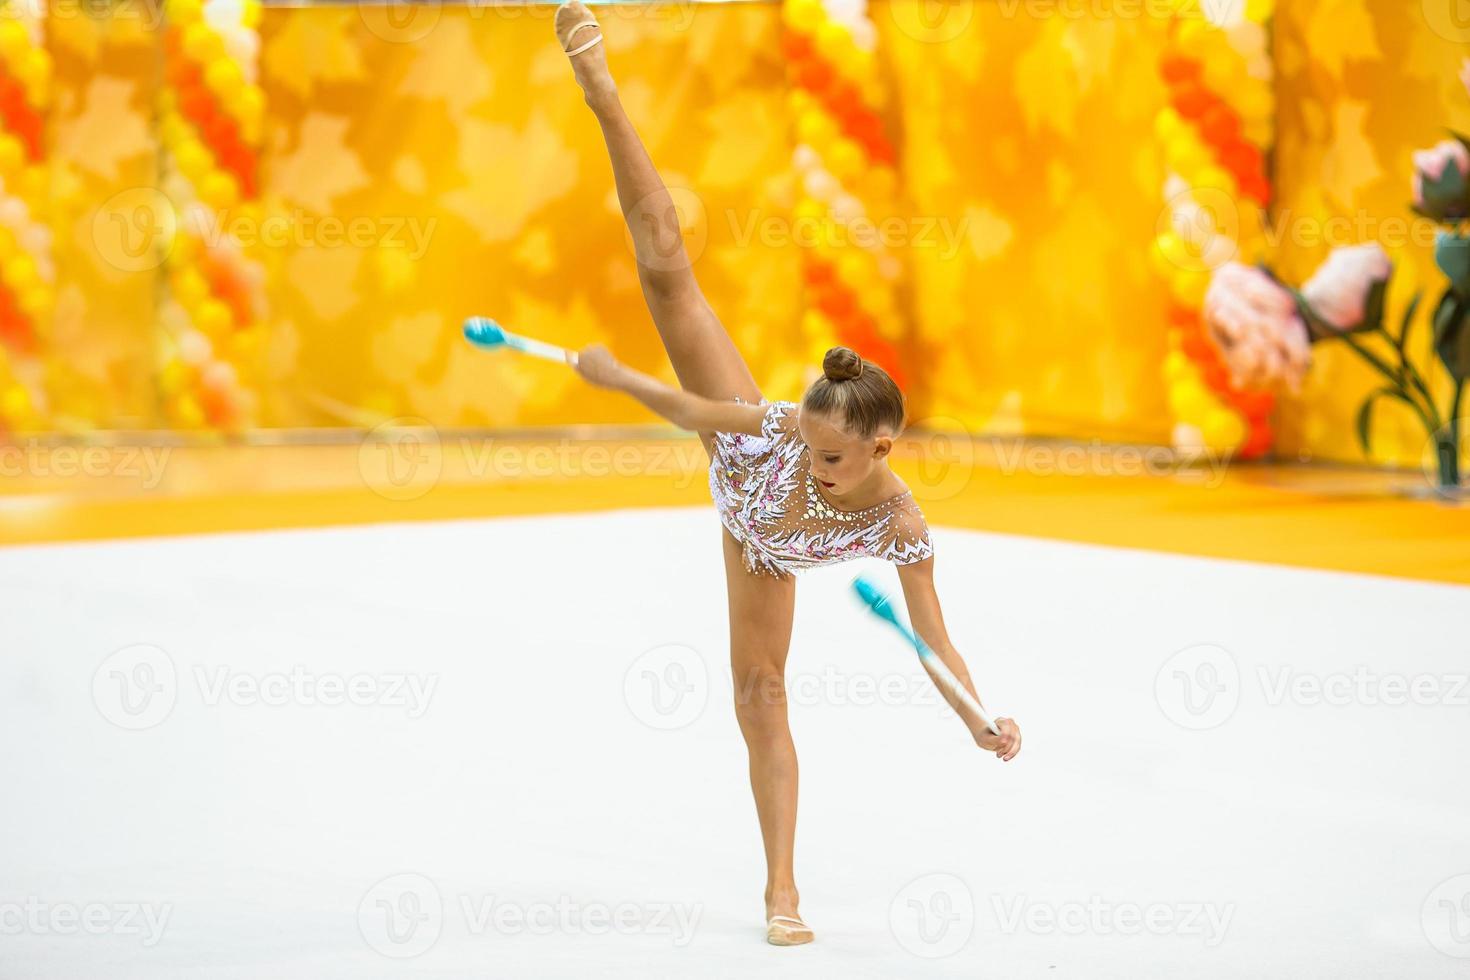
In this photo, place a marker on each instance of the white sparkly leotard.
(768, 499)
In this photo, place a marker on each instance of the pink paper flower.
(1338, 291)
(1253, 321)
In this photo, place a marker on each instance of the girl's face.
(840, 461)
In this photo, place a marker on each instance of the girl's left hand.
(598, 365)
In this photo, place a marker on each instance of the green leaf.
(1365, 415)
(1451, 338)
(1447, 197)
(1402, 340)
(1452, 255)
(1373, 305)
(1317, 328)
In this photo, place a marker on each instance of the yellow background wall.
(1361, 86)
(459, 139)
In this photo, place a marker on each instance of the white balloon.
(37, 239)
(195, 348)
(13, 213)
(820, 184)
(219, 376)
(805, 158)
(846, 208)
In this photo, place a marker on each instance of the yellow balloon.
(251, 104)
(1173, 251)
(1190, 401)
(808, 210)
(1222, 429)
(15, 40)
(12, 155)
(832, 40)
(1215, 178)
(219, 190)
(173, 377)
(844, 159)
(190, 287)
(1176, 367)
(188, 412)
(202, 44)
(816, 129)
(35, 186)
(804, 15)
(35, 301)
(213, 318)
(852, 269)
(1190, 285)
(20, 272)
(815, 326)
(193, 159)
(184, 11)
(15, 403)
(1167, 125)
(224, 78)
(250, 13)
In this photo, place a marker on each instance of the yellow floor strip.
(1341, 520)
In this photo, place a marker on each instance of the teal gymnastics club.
(878, 604)
(486, 334)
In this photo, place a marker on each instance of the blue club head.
(874, 598)
(484, 332)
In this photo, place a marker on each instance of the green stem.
(1449, 455)
(1412, 373)
(1396, 379)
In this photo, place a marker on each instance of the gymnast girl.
(795, 485)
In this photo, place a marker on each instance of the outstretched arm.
(683, 408)
(917, 579)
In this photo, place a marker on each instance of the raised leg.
(761, 613)
(704, 357)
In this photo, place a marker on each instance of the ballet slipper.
(784, 930)
(568, 37)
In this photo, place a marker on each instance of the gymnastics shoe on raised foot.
(784, 930)
(580, 36)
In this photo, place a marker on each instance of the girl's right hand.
(598, 365)
(1006, 744)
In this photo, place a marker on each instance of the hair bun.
(842, 364)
